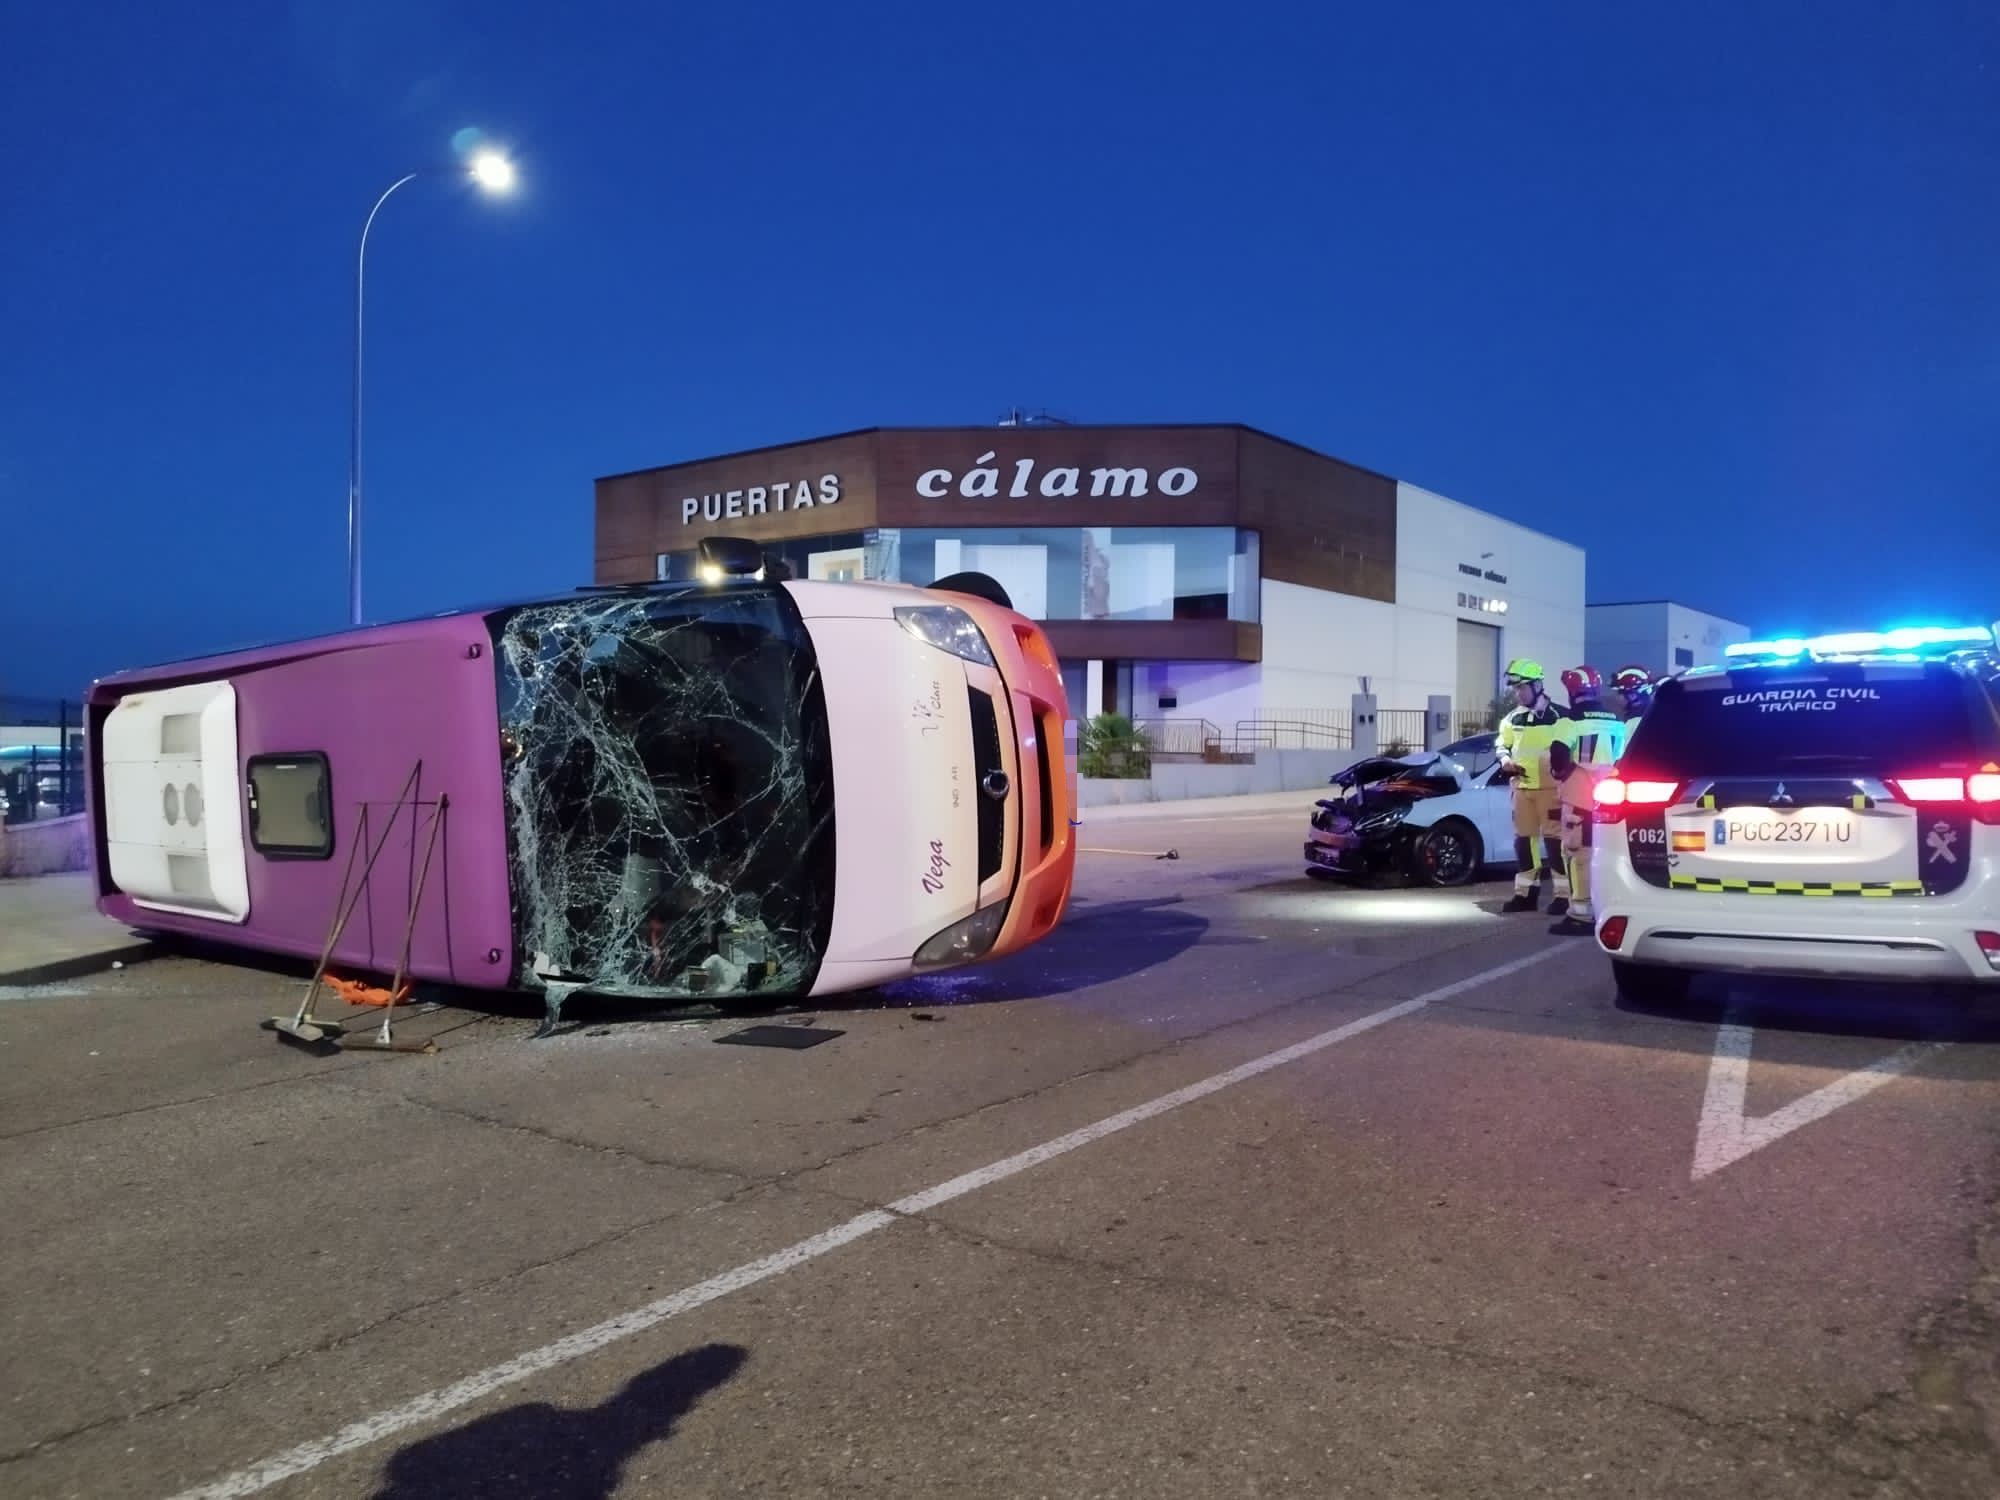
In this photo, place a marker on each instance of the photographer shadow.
(537, 1451)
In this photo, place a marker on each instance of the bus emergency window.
(291, 807)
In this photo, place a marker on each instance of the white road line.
(1727, 1135)
(433, 1404)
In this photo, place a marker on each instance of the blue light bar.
(1867, 642)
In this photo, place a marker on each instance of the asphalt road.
(1243, 1184)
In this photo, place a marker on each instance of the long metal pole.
(354, 426)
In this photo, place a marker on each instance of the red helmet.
(1635, 685)
(1583, 682)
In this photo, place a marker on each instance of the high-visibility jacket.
(1595, 736)
(1525, 737)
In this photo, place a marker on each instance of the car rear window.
(1832, 716)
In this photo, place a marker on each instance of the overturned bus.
(737, 790)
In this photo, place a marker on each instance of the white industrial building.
(1657, 634)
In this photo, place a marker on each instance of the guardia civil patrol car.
(1821, 807)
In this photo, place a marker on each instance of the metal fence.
(1279, 732)
(1179, 736)
(41, 758)
(1400, 730)
(1299, 729)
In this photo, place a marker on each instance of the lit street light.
(493, 173)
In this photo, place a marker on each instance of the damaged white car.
(1439, 816)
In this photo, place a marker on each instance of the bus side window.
(291, 806)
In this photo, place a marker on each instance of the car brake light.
(1989, 944)
(1612, 933)
(1979, 792)
(1932, 788)
(1616, 793)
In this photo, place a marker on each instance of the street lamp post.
(493, 173)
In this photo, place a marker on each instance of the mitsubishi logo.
(1779, 795)
(994, 784)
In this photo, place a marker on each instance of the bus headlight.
(962, 942)
(946, 628)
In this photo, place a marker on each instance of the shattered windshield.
(669, 792)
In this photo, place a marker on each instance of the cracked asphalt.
(1457, 1251)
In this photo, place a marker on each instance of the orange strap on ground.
(354, 992)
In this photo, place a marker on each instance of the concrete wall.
(1318, 646)
(1274, 771)
(1543, 592)
(47, 846)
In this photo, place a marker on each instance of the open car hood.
(1379, 768)
(1381, 781)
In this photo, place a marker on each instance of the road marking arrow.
(1727, 1135)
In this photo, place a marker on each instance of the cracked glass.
(669, 793)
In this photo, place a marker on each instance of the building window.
(841, 557)
(1683, 657)
(1096, 572)
(1050, 572)
(291, 806)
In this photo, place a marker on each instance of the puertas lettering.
(987, 479)
(761, 499)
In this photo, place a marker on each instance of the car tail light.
(1612, 933)
(1989, 944)
(1979, 793)
(1932, 788)
(1615, 794)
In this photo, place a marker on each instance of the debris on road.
(790, 1038)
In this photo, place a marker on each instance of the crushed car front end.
(1360, 829)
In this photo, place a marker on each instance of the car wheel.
(1445, 855)
(1649, 985)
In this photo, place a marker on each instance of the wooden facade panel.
(1324, 524)
(633, 569)
(747, 494)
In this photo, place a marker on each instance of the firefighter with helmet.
(1574, 789)
(1635, 687)
(1592, 740)
(1596, 734)
(1526, 733)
